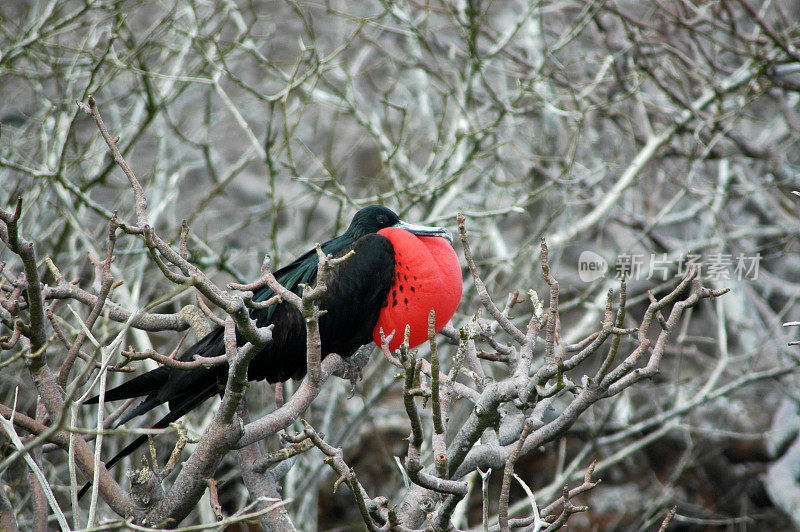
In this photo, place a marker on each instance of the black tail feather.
(176, 412)
(147, 384)
(143, 407)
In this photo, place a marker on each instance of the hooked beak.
(424, 230)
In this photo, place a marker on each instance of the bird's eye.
(383, 220)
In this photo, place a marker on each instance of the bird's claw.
(352, 372)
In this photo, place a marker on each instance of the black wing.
(165, 384)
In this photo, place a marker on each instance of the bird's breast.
(427, 276)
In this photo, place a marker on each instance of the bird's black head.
(376, 217)
(371, 220)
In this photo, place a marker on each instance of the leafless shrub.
(660, 131)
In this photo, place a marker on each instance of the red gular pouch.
(427, 276)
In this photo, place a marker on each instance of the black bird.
(358, 292)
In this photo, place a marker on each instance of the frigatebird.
(398, 273)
